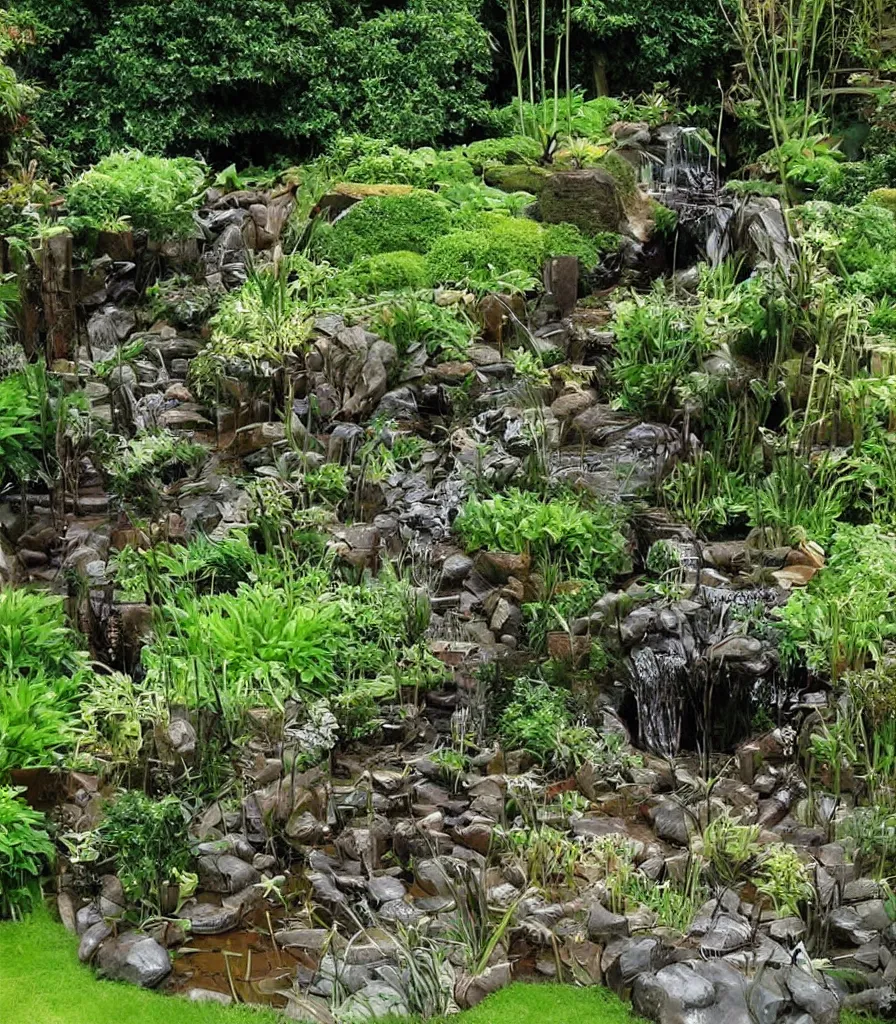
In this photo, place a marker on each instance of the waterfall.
(658, 679)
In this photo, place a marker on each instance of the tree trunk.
(57, 295)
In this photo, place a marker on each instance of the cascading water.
(658, 684)
(680, 171)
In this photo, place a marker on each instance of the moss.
(507, 244)
(519, 178)
(363, 190)
(885, 197)
(387, 272)
(623, 172)
(568, 240)
(383, 223)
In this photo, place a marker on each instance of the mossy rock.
(517, 178)
(623, 172)
(885, 197)
(590, 199)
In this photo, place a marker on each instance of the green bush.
(514, 149)
(422, 168)
(292, 633)
(846, 616)
(387, 272)
(42, 673)
(25, 854)
(538, 720)
(149, 842)
(583, 542)
(443, 330)
(380, 224)
(20, 435)
(151, 193)
(253, 78)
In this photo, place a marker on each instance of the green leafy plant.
(844, 618)
(582, 540)
(150, 842)
(149, 193)
(26, 852)
(784, 879)
(537, 719)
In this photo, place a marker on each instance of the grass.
(41, 982)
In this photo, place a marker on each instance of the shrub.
(41, 675)
(253, 78)
(538, 720)
(149, 841)
(380, 224)
(152, 193)
(422, 168)
(442, 330)
(387, 272)
(845, 617)
(583, 542)
(514, 149)
(34, 637)
(25, 854)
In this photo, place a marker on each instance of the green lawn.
(41, 982)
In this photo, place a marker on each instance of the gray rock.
(226, 873)
(603, 924)
(91, 940)
(209, 919)
(809, 994)
(456, 568)
(847, 926)
(207, 995)
(135, 958)
(384, 889)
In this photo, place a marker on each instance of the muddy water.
(245, 963)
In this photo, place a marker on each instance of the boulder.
(133, 957)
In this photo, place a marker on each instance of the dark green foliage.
(379, 224)
(643, 41)
(538, 720)
(149, 842)
(849, 183)
(148, 193)
(25, 853)
(253, 77)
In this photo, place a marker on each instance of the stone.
(92, 939)
(847, 926)
(589, 199)
(384, 888)
(255, 436)
(573, 403)
(499, 566)
(225, 873)
(787, 929)
(210, 919)
(809, 994)
(208, 995)
(135, 958)
(376, 999)
(603, 924)
(112, 900)
(671, 822)
(456, 568)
